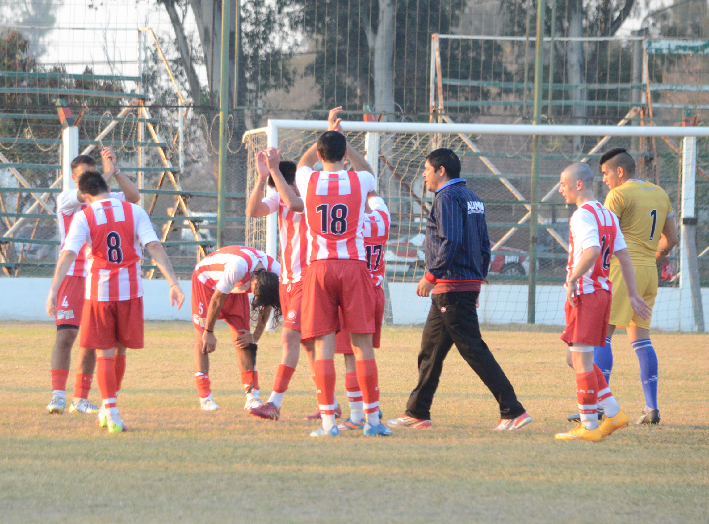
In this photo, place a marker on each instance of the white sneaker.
(252, 402)
(57, 405)
(83, 406)
(208, 404)
(102, 418)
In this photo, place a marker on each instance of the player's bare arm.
(66, 259)
(110, 162)
(209, 340)
(310, 157)
(255, 207)
(636, 301)
(668, 239)
(290, 199)
(165, 266)
(246, 337)
(586, 262)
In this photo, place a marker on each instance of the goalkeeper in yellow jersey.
(648, 224)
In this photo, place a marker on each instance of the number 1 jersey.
(334, 209)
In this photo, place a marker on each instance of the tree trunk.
(575, 69)
(384, 59)
(185, 55)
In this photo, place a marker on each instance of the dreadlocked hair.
(266, 293)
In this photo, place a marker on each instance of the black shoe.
(649, 417)
(576, 418)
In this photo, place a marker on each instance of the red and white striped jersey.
(592, 225)
(292, 235)
(230, 267)
(334, 209)
(376, 234)
(67, 205)
(114, 231)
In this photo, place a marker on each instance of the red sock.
(587, 397)
(354, 393)
(82, 386)
(602, 384)
(204, 385)
(368, 379)
(106, 378)
(120, 370)
(283, 376)
(325, 381)
(59, 378)
(250, 380)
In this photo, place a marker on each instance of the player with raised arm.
(221, 283)
(594, 237)
(292, 233)
(72, 290)
(337, 277)
(113, 313)
(376, 234)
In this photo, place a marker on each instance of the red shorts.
(291, 296)
(344, 346)
(587, 323)
(236, 311)
(105, 324)
(331, 285)
(70, 301)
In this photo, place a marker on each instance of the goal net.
(496, 163)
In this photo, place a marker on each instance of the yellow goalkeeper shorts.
(622, 314)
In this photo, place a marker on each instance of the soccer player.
(376, 234)
(594, 237)
(113, 313)
(292, 232)
(221, 283)
(457, 259)
(337, 277)
(72, 290)
(648, 224)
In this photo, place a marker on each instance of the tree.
(38, 13)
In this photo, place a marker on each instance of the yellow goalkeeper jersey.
(642, 208)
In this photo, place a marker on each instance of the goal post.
(496, 162)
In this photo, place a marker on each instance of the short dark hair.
(444, 157)
(332, 146)
(266, 293)
(92, 183)
(618, 157)
(82, 159)
(287, 169)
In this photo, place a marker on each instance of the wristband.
(117, 173)
(174, 285)
(209, 330)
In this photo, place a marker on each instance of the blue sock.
(648, 370)
(603, 358)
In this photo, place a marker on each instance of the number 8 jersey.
(114, 230)
(334, 210)
(592, 225)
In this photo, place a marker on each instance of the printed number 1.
(653, 214)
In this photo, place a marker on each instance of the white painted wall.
(24, 299)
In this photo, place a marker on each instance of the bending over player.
(594, 236)
(113, 313)
(221, 283)
(72, 290)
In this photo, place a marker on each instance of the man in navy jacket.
(457, 260)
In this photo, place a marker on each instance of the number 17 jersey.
(334, 210)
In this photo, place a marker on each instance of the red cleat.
(316, 415)
(268, 411)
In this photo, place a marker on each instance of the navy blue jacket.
(457, 245)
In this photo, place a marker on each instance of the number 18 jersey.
(334, 210)
(592, 225)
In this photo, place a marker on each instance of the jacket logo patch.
(475, 207)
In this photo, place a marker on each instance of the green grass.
(179, 464)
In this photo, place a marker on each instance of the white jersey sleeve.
(302, 178)
(143, 227)
(366, 179)
(78, 234)
(584, 229)
(234, 271)
(68, 201)
(272, 200)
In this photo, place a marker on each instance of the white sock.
(373, 418)
(356, 415)
(589, 420)
(59, 393)
(328, 421)
(609, 404)
(207, 397)
(111, 413)
(276, 399)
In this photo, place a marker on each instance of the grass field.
(179, 464)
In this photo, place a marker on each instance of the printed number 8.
(113, 243)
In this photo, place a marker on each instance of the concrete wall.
(24, 299)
